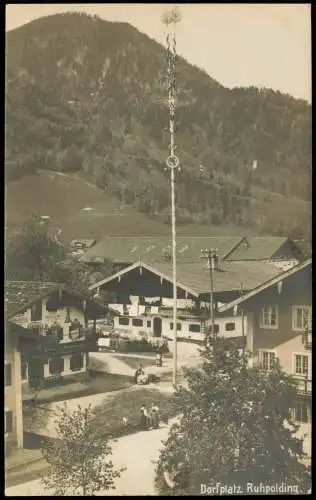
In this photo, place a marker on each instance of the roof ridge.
(37, 282)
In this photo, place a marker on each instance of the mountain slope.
(78, 209)
(87, 95)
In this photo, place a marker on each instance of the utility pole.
(170, 18)
(211, 256)
(243, 329)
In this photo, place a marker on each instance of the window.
(137, 322)
(179, 326)
(76, 362)
(8, 424)
(23, 369)
(147, 309)
(36, 311)
(56, 366)
(301, 318)
(148, 324)
(268, 359)
(76, 330)
(194, 327)
(8, 375)
(229, 327)
(269, 317)
(52, 304)
(123, 321)
(300, 364)
(301, 413)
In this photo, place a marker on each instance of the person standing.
(154, 416)
(143, 418)
(159, 358)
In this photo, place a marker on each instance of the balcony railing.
(307, 339)
(185, 313)
(304, 385)
(57, 332)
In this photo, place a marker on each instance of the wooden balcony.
(193, 314)
(304, 386)
(307, 339)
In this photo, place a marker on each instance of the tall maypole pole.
(170, 19)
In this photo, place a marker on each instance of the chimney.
(215, 262)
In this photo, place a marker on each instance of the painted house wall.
(283, 340)
(147, 330)
(49, 318)
(13, 392)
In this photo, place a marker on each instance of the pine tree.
(78, 457)
(232, 430)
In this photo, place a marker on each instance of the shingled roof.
(130, 249)
(195, 279)
(19, 295)
(267, 284)
(256, 248)
(230, 276)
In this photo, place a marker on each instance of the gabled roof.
(231, 276)
(266, 285)
(256, 248)
(143, 265)
(195, 279)
(155, 248)
(20, 295)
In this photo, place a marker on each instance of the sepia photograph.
(158, 249)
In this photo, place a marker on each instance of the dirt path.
(137, 479)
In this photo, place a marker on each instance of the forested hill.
(88, 95)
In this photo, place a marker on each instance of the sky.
(239, 45)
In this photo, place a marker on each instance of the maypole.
(170, 19)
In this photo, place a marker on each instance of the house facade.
(279, 326)
(59, 315)
(142, 294)
(16, 337)
(13, 422)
